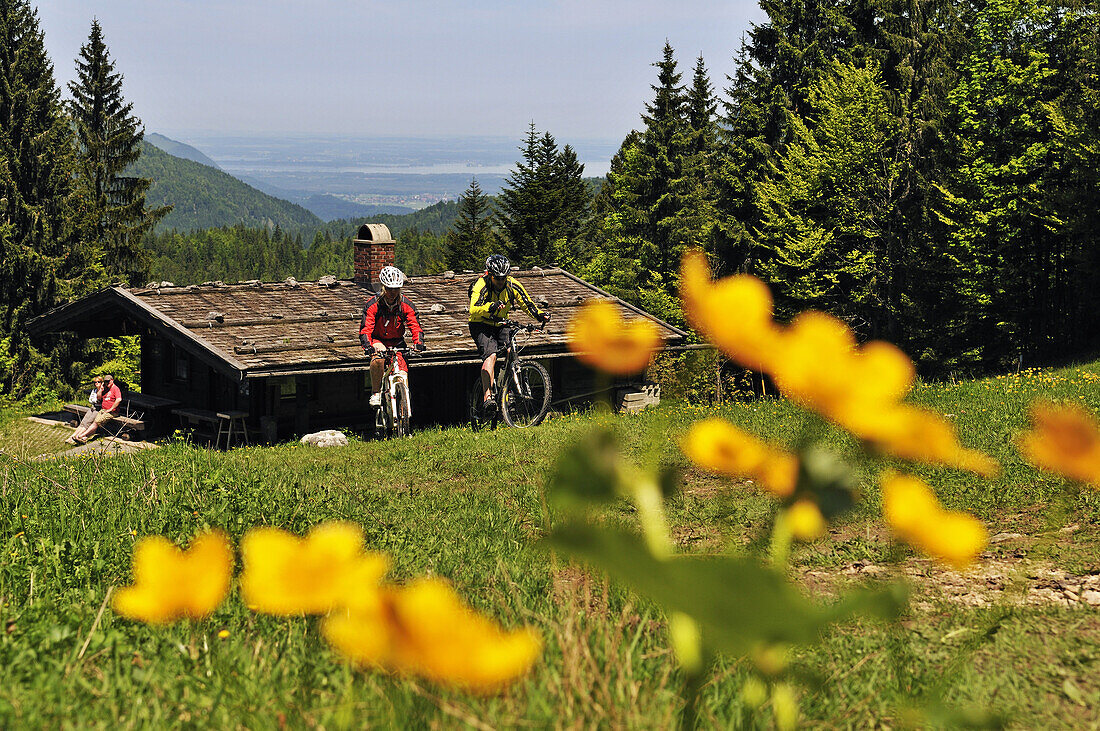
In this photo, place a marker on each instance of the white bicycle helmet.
(391, 277)
(498, 265)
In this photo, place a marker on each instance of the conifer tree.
(777, 63)
(693, 222)
(109, 137)
(36, 162)
(1022, 154)
(470, 238)
(826, 213)
(644, 202)
(542, 204)
(662, 151)
(700, 106)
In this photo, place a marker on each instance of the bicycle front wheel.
(525, 398)
(401, 423)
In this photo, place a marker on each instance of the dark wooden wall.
(294, 405)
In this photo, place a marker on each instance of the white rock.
(326, 438)
(1091, 597)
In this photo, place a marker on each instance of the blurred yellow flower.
(170, 584)
(913, 512)
(915, 434)
(735, 313)
(600, 338)
(424, 629)
(822, 369)
(717, 445)
(815, 366)
(805, 520)
(287, 575)
(1063, 439)
(223, 634)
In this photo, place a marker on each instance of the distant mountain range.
(203, 196)
(329, 207)
(324, 206)
(180, 149)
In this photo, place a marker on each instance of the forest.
(929, 171)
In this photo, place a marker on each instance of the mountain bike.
(392, 417)
(521, 388)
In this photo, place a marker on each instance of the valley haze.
(377, 170)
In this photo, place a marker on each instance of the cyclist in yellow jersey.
(492, 295)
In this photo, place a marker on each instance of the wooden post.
(301, 405)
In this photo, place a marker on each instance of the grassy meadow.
(466, 506)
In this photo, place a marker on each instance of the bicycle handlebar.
(523, 325)
(405, 351)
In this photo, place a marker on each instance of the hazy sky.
(578, 68)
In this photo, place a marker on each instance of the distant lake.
(591, 169)
(384, 168)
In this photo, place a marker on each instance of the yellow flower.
(600, 338)
(287, 575)
(716, 445)
(907, 504)
(913, 512)
(735, 313)
(915, 434)
(1063, 439)
(170, 584)
(822, 369)
(424, 629)
(816, 362)
(806, 521)
(223, 634)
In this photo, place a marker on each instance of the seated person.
(492, 295)
(94, 399)
(383, 326)
(108, 409)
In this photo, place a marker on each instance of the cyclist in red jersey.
(385, 318)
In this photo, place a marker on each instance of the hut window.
(288, 388)
(181, 368)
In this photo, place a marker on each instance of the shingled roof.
(258, 329)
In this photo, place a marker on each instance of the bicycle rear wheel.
(525, 399)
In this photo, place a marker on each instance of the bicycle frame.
(510, 376)
(507, 369)
(391, 376)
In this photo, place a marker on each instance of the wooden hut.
(288, 354)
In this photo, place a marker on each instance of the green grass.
(466, 506)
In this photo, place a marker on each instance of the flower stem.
(782, 536)
(651, 514)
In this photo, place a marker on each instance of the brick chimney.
(373, 250)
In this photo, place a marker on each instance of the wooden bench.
(227, 424)
(120, 426)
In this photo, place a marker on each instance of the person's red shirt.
(383, 323)
(111, 397)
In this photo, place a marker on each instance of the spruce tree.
(826, 213)
(662, 149)
(542, 205)
(777, 63)
(638, 196)
(109, 137)
(470, 238)
(1022, 155)
(693, 222)
(574, 203)
(36, 234)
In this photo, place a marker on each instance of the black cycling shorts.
(490, 339)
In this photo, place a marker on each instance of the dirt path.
(993, 581)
